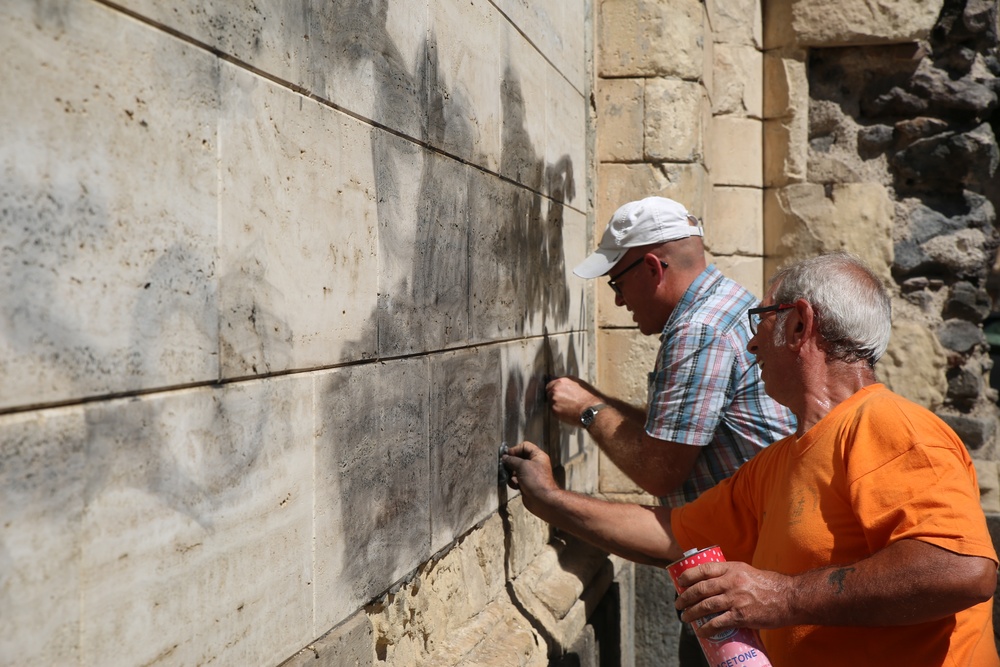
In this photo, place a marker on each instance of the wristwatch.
(587, 416)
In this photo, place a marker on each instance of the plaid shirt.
(706, 389)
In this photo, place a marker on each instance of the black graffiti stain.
(468, 224)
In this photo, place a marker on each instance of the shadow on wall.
(409, 447)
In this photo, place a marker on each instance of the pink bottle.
(736, 647)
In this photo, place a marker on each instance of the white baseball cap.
(638, 223)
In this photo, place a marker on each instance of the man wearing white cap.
(707, 412)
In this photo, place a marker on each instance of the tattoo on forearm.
(837, 577)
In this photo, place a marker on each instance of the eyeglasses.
(613, 280)
(754, 314)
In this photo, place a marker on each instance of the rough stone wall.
(278, 280)
(890, 151)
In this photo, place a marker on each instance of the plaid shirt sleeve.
(691, 386)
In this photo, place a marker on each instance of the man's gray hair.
(853, 308)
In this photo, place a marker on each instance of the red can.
(736, 647)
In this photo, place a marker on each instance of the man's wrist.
(589, 414)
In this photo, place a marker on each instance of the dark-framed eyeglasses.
(613, 280)
(755, 313)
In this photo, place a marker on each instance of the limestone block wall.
(278, 280)
(679, 114)
(680, 108)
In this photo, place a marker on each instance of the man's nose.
(619, 301)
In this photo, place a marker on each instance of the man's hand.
(740, 595)
(569, 396)
(531, 473)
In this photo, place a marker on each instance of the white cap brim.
(599, 263)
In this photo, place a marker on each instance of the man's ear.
(799, 324)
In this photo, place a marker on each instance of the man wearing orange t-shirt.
(859, 539)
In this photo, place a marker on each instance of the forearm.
(637, 532)
(906, 583)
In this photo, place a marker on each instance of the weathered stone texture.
(296, 288)
(736, 22)
(737, 84)
(350, 644)
(620, 114)
(812, 23)
(43, 493)
(649, 38)
(672, 123)
(735, 226)
(168, 567)
(801, 220)
(110, 282)
(736, 151)
(914, 363)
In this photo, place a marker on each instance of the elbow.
(979, 583)
(985, 583)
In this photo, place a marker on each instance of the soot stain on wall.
(430, 207)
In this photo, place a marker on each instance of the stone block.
(372, 523)
(802, 220)
(786, 84)
(350, 644)
(423, 247)
(619, 184)
(298, 228)
(657, 628)
(497, 637)
(649, 38)
(557, 30)
(562, 586)
(370, 59)
(747, 271)
(523, 110)
(454, 604)
(504, 236)
(736, 22)
(464, 61)
(736, 151)
(556, 297)
(708, 66)
(786, 152)
(565, 176)
(777, 24)
(624, 360)
(989, 485)
(620, 114)
(528, 534)
(914, 364)
(738, 81)
(170, 569)
(464, 428)
(582, 472)
(736, 224)
(569, 354)
(673, 120)
(43, 495)
(107, 261)
(859, 22)
(525, 367)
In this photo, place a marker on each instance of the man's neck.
(828, 385)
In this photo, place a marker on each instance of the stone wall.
(890, 151)
(679, 114)
(278, 280)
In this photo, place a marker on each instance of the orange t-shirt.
(875, 470)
